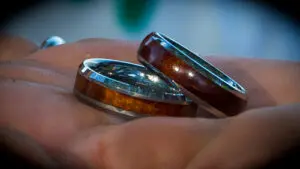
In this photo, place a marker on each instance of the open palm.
(36, 100)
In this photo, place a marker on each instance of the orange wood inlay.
(133, 104)
(176, 69)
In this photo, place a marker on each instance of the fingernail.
(52, 41)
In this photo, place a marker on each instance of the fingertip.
(15, 47)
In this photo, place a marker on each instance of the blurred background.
(241, 28)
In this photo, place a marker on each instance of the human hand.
(41, 84)
(265, 137)
(254, 139)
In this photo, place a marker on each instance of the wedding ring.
(129, 89)
(209, 87)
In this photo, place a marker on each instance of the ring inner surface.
(134, 80)
(202, 66)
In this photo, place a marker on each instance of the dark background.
(12, 8)
(273, 30)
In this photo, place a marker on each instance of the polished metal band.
(131, 79)
(129, 89)
(200, 65)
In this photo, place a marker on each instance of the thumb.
(251, 140)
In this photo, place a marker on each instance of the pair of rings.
(171, 81)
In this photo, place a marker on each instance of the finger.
(229, 151)
(252, 140)
(257, 76)
(21, 151)
(15, 47)
(89, 148)
(156, 142)
(49, 114)
(70, 55)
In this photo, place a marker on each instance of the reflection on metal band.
(200, 65)
(201, 103)
(131, 79)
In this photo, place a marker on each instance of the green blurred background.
(208, 27)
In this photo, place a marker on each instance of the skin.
(45, 122)
(15, 47)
